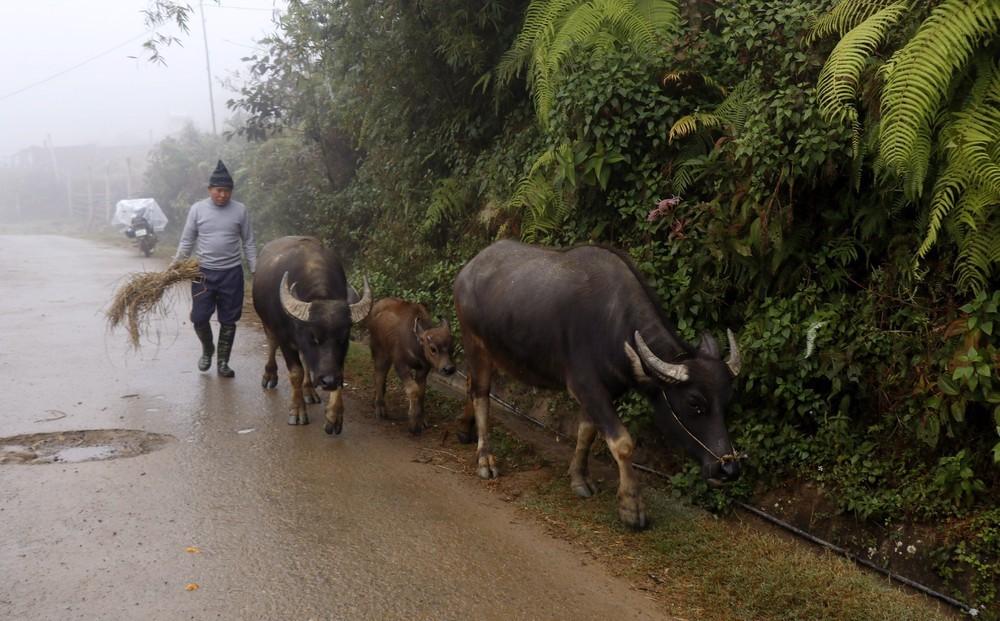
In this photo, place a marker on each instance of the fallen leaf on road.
(193, 550)
(191, 587)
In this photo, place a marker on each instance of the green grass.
(702, 567)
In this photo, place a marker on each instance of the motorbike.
(143, 234)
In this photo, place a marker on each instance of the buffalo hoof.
(380, 413)
(634, 516)
(298, 419)
(333, 428)
(466, 437)
(488, 472)
(310, 396)
(584, 489)
(269, 382)
(416, 428)
(487, 468)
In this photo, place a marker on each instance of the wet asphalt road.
(238, 515)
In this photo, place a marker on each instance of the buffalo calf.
(404, 336)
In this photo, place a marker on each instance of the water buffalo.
(584, 320)
(404, 336)
(309, 319)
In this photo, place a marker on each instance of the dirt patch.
(79, 446)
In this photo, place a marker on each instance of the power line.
(240, 8)
(74, 67)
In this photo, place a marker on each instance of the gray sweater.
(217, 234)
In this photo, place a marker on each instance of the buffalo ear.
(417, 329)
(443, 321)
(709, 347)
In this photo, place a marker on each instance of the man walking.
(217, 230)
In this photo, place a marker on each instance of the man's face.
(220, 196)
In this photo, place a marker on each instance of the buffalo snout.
(330, 382)
(726, 471)
(448, 369)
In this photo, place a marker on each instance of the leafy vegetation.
(831, 170)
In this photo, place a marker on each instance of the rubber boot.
(204, 332)
(227, 333)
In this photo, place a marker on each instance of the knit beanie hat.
(220, 178)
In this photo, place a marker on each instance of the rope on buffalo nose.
(721, 460)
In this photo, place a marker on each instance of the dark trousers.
(222, 291)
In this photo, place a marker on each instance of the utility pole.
(208, 65)
(128, 177)
(107, 192)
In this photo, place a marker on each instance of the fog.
(76, 73)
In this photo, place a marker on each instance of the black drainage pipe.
(860, 561)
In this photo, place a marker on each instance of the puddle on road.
(72, 447)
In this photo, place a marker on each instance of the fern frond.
(544, 208)
(660, 15)
(947, 190)
(978, 132)
(449, 201)
(847, 15)
(966, 195)
(688, 124)
(555, 30)
(839, 79)
(972, 160)
(978, 261)
(578, 26)
(684, 176)
(678, 76)
(539, 23)
(920, 76)
(731, 113)
(736, 106)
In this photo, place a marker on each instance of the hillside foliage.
(835, 169)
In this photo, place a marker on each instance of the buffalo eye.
(696, 403)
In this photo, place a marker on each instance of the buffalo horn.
(633, 359)
(735, 360)
(293, 306)
(360, 309)
(667, 372)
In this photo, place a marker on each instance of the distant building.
(79, 182)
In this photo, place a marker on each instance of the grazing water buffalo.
(404, 336)
(302, 297)
(585, 320)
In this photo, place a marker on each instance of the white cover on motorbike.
(148, 208)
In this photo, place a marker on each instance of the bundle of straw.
(141, 297)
